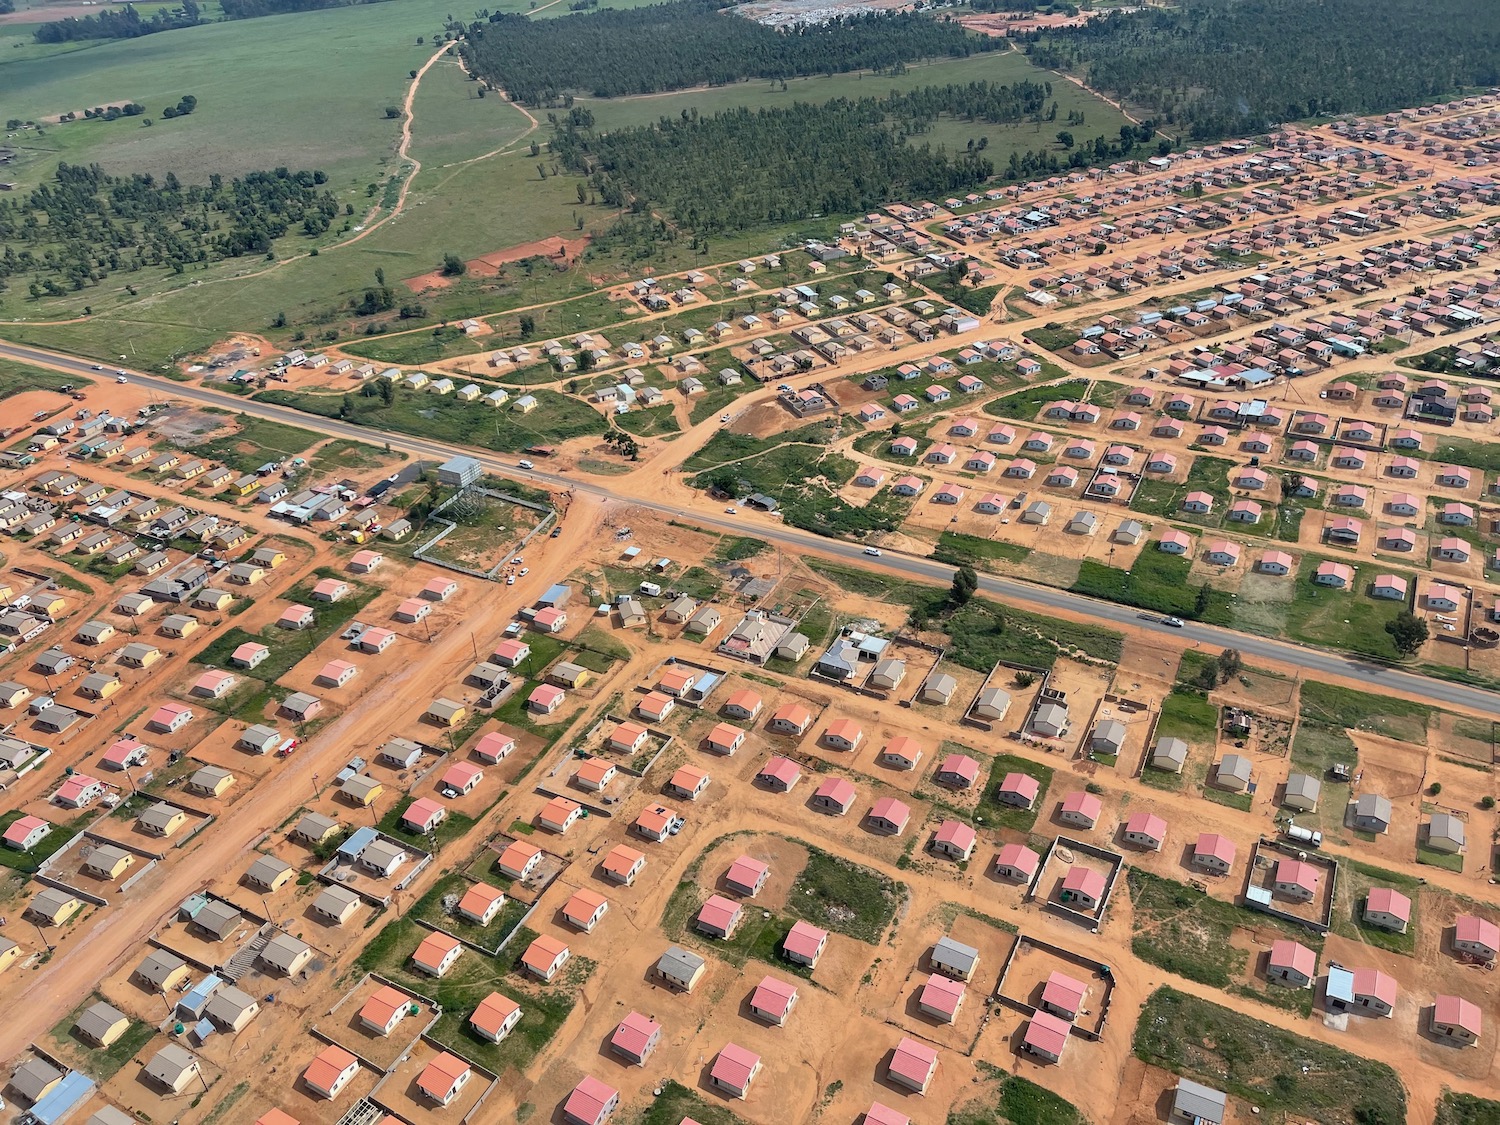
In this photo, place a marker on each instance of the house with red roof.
(623, 864)
(585, 909)
(1019, 790)
(545, 957)
(26, 833)
(520, 859)
(481, 902)
(773, 1000)
(957, 771)
(902, 753)
(495, 746)
(444, 1078)
(746, 876)
(1374, 992)
(423, 815)
(559, 814)
(330, 1071)
(495, 1017)
(724, 738)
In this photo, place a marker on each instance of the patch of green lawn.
(1342, 707)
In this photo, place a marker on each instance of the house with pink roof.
(1373, 992)
(1175, 542)
(1335, 574)
(773, 1000)
(1145, 830)
(635, 1037)
(1198, 502)
(1275, 562)
(1213, 853)
(804, 944)
(1045, 1037)
(889, 816)
(1063, 996)
(1295, 880)
(954, 839)
(1082, 888)
(941, 998)
(779, 774)
(590, 1103)
(495, 746)
(545, 699)
(1016, 862)
(1387, 908)
(423, 815)
(719, 917)
(834, 795)
(1222, 552)
(1452, 549)
(1291, 963)
(913, 1063)
(1476, 937)
(957, 771)
(1456, 1020)
(1019, 790)
(746, 876)
(1080, 809)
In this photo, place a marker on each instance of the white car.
(525, 465)
(524, 571)
(875, 551)
(732, 510)
(517, 561)
(723, 417)
(121, 379)
(510, 579)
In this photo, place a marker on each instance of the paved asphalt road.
(1312, 661)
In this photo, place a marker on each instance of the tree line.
(84, 225)
(127, 23)
(1218, 68)
(671, 46)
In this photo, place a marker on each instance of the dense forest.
(742, 167)
(127, 23)
(84, 225)
(1217, 68)
(691, 43)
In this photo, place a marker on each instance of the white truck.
(1309, 836)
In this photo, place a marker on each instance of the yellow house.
(50, 604)
(161, 819)
(10, 953)
(446, 713)
(102, 1024)
(53, 907)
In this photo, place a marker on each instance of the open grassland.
(307, 90)
(1285, 1074)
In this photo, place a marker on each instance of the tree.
(1200, 603)
(526, 326)
(1228, 665)
(965, 583)
(393, 111)
(1408, 632)
(1065, 139)
(453, 266)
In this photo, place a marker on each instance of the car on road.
(524, 571)
(1172, 622)
(723, 417)
(875, 551)
(121, 372)
(121, 379)
(732, 510)
(97, 367)
(525, 465)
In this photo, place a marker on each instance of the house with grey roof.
(1372, 812)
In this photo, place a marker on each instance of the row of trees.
(1236, 67)
(127, 23)
(85, 224)
(613, 53)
